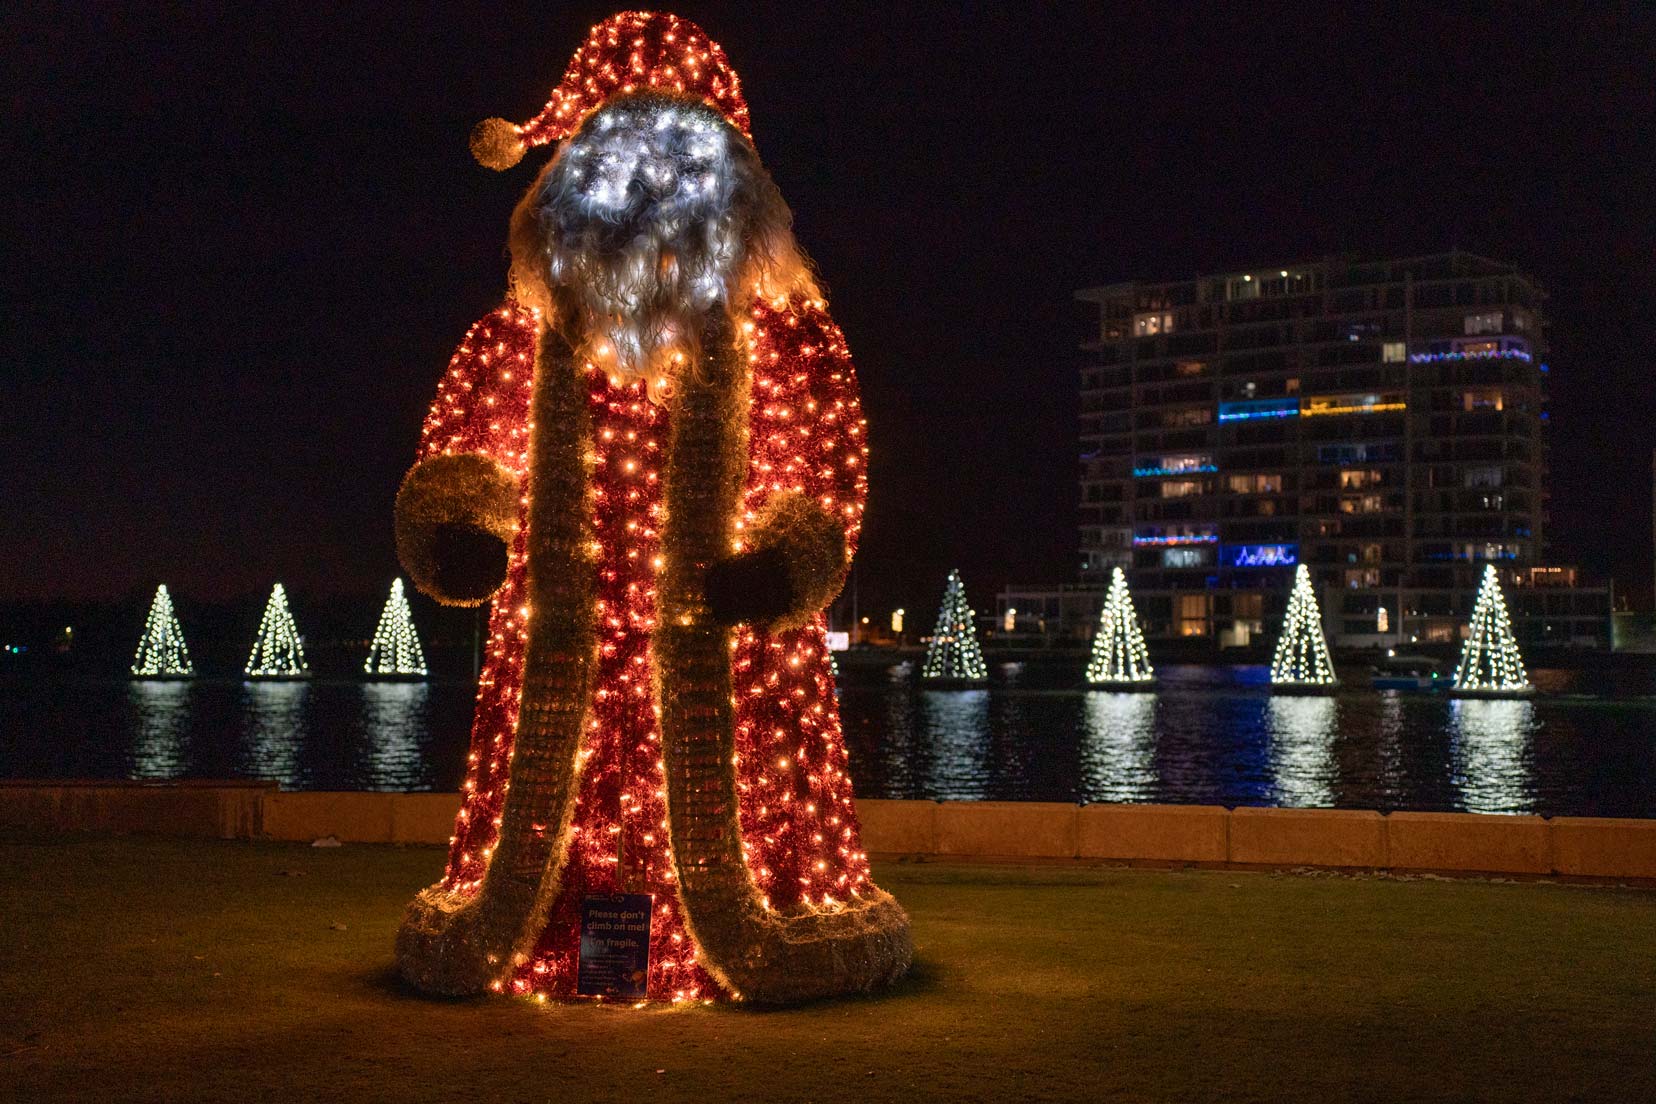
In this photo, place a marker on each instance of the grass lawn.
(155, 969)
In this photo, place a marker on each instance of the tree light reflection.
(1489, 745)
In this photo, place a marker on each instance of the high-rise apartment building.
(1384, 423)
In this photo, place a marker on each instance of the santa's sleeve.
(474, 448)
(808, 450)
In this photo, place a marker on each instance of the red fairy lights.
(799, 827)
(629, 52)
(806, 437)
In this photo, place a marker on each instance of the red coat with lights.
(708, 768)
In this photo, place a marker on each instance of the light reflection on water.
(1206, 735)
(1490, 747)
(1301, 731)
(1118, 735)
(1212, 735)
(273, 730)
(395, 717)
(160, 727)
(954, 728)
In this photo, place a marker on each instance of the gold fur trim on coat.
(812, 543)
(456, 943)
(758, 954)
(465, 489)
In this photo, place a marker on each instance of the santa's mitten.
(751, 587)
(794, 564)
(455, 518)
(469, 562)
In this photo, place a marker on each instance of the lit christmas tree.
(278, 652)
(161, 653)
(1301, 658)
(1118, 652)
(954, 654)
(396, 648)
(1490, 663)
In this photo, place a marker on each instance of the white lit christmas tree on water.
(1490, 664)
(1119, 657)
(1301, 661)
(278, 652)
(954, 655)
(161, 653)
(396, 648)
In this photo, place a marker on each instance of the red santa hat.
(628, 52)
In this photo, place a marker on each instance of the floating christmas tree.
(954, 654)
(1119, 657)
(1301, 659)
(161, 653)
(396, 648)
(1489, 662)
(278, 652)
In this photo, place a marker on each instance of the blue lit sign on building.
(1259, 555)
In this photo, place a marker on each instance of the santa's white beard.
(640, 226)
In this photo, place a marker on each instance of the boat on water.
(1415, 674)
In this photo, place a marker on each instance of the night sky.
(240, 246)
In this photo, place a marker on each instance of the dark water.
(1209, 735)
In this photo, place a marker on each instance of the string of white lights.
(161, 651)
(1490, 661)
(1301, 657)
(1118, 652)
(278, 651)
(954, 654)
(396, 647)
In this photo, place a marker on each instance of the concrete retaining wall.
(228, 810)
(1208, 834)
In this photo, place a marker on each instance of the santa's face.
(640, 217)
(645, 165)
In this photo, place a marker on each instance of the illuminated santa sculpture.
(652, 460)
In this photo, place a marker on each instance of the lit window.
(1354, 478)
(1484, 322)
(1189, 367)
(1152, 323)
(1185, 557)
(1189, 416)
(1175, 465)
(1182, 488)
(1361, 504)
(1393, 352)
(1255, 484)
(1482, 398)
